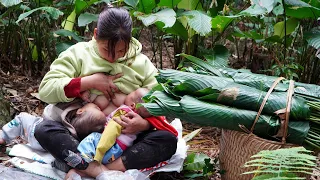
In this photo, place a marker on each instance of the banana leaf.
(209, 114)
(223, 91)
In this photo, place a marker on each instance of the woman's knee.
(165, 142)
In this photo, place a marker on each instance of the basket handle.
(265, 101)
(287, 112)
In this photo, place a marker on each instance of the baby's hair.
(114, 25)
(86, 123)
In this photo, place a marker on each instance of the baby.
(110, 144)
(23, 125)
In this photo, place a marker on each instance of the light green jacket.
(83, 59)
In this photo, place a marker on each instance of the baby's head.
(134, 98)
(88, 119)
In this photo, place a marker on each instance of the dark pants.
(150, 148)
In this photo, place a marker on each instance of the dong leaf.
(53, 12)
(190, 5)
(168, 3)
(303, 12)
(253, 10)
(198, 21)
(132, 3)
(60, 47)
(297, 3)
(166, 16)
(86, 18)
(179, 30)
(66, 33)
(203, 64)
(146, 6)
(300, 9)
(219, 56)
(220, 23)
(267, 4)
(291, 25)
(81, 5)
(8, 3)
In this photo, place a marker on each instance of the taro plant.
(289, 163)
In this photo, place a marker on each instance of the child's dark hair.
(86, 123)
(114, 25)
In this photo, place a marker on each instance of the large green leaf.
(166, 16)
(195, 162)
(297, 3)
(313, 38)
(219, 56)
(220, 23)
(179, 30)
(60, 47)
(190, 5)
(132, 3)
(291, 25)
(146, 6)
(267, 4)
(81, 5)
(198, 21)
(174, 75)
(8, 3)
(216, 115)
(168, 3)
(301, 9)
(221, 90)
(87, 18)
(253, 10)
(250, 34)
(303, 12)
(203, 64)
(53, 12)
(67, 33)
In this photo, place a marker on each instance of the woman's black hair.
(114, 25)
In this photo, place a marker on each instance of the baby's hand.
(85, 96)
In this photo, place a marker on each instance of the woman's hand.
(132, 123)
(101, 82)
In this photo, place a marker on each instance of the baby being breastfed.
(107, 106)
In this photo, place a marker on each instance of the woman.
(112, 51)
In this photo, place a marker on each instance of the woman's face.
(120, 50)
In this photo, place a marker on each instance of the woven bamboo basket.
(236, 148)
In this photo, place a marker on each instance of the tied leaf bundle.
(231, 98)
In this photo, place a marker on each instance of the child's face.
(94, 109)
(132, 100)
